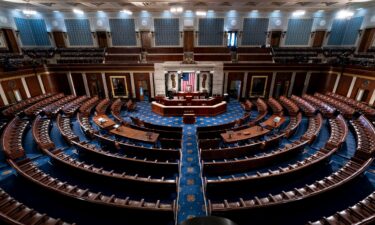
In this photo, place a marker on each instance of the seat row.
(362, 107)
(40, 129)
(323, 107)
(102, 106)
(339, 131)
(290, 106)
(70, 108)
(116, 110)
(277, 108)
(365, 133)
(305, 106)
(11, 138)
(52, 109)
(14, 212)
(16, 108)
(361, 213)
(37, 108)
(262, 111)
(247, 105)
(315, 124)
(64, 125)
(346, 110)
(87, 106)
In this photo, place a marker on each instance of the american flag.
(188, 79)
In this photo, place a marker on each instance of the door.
(366, 41)
(319, 38)
(142, 86)
(275, 38)
(102, 39)
(58, 37)
(11, 40)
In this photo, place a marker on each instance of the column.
(351, 87)
(244, 85)
(336, 83)
(132, 84)
(41, 84)
(105, 85)
(225, 82)
(3, 96)
(372, 100)
(291, 84)
(272, 84)
(71, 84)
(306, 84)
(25, 87)
(84, 77)
(152, 86)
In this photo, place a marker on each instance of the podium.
(188, 118)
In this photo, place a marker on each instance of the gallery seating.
(365, 135)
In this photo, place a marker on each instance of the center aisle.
(191, 201)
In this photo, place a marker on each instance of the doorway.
(142, 86)
(235, 89)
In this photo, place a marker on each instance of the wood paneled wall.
(33, 85)
(95, 84)
(317, 83)
(365, 84)
(11, 40)
(79, 86)
(146, 40)
(282, 84)
(188, 40)
(10, 86)
(232, 76)
(367, 39)
(299, 83)
(344, 84)
(59, 38)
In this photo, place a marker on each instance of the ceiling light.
(56, 11)
(78, 11)
(344, 14)
(255, 11)
(28, 12)
(176, 9)
(276, 11)
(127, 12)
(201, 13)
(299, 13)
(359, 9)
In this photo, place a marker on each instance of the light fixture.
(176, 9)
(126, 11)
(344, 14)
(299, 13)
(56, 11)
(255, 11)
(28, 12)
(276, 11)
(201, 13)
(78, 11)
(359, 9)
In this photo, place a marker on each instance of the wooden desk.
(244, 134)
(135, 134)
(107, 125)
(206, 110)
(270, 124)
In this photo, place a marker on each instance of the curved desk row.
(206, 110)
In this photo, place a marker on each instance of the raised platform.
(202, 110)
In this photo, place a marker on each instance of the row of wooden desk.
(254, 131)
(104, 122)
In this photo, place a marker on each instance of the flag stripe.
(189, 81)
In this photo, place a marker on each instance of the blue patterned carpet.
(191, 199)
